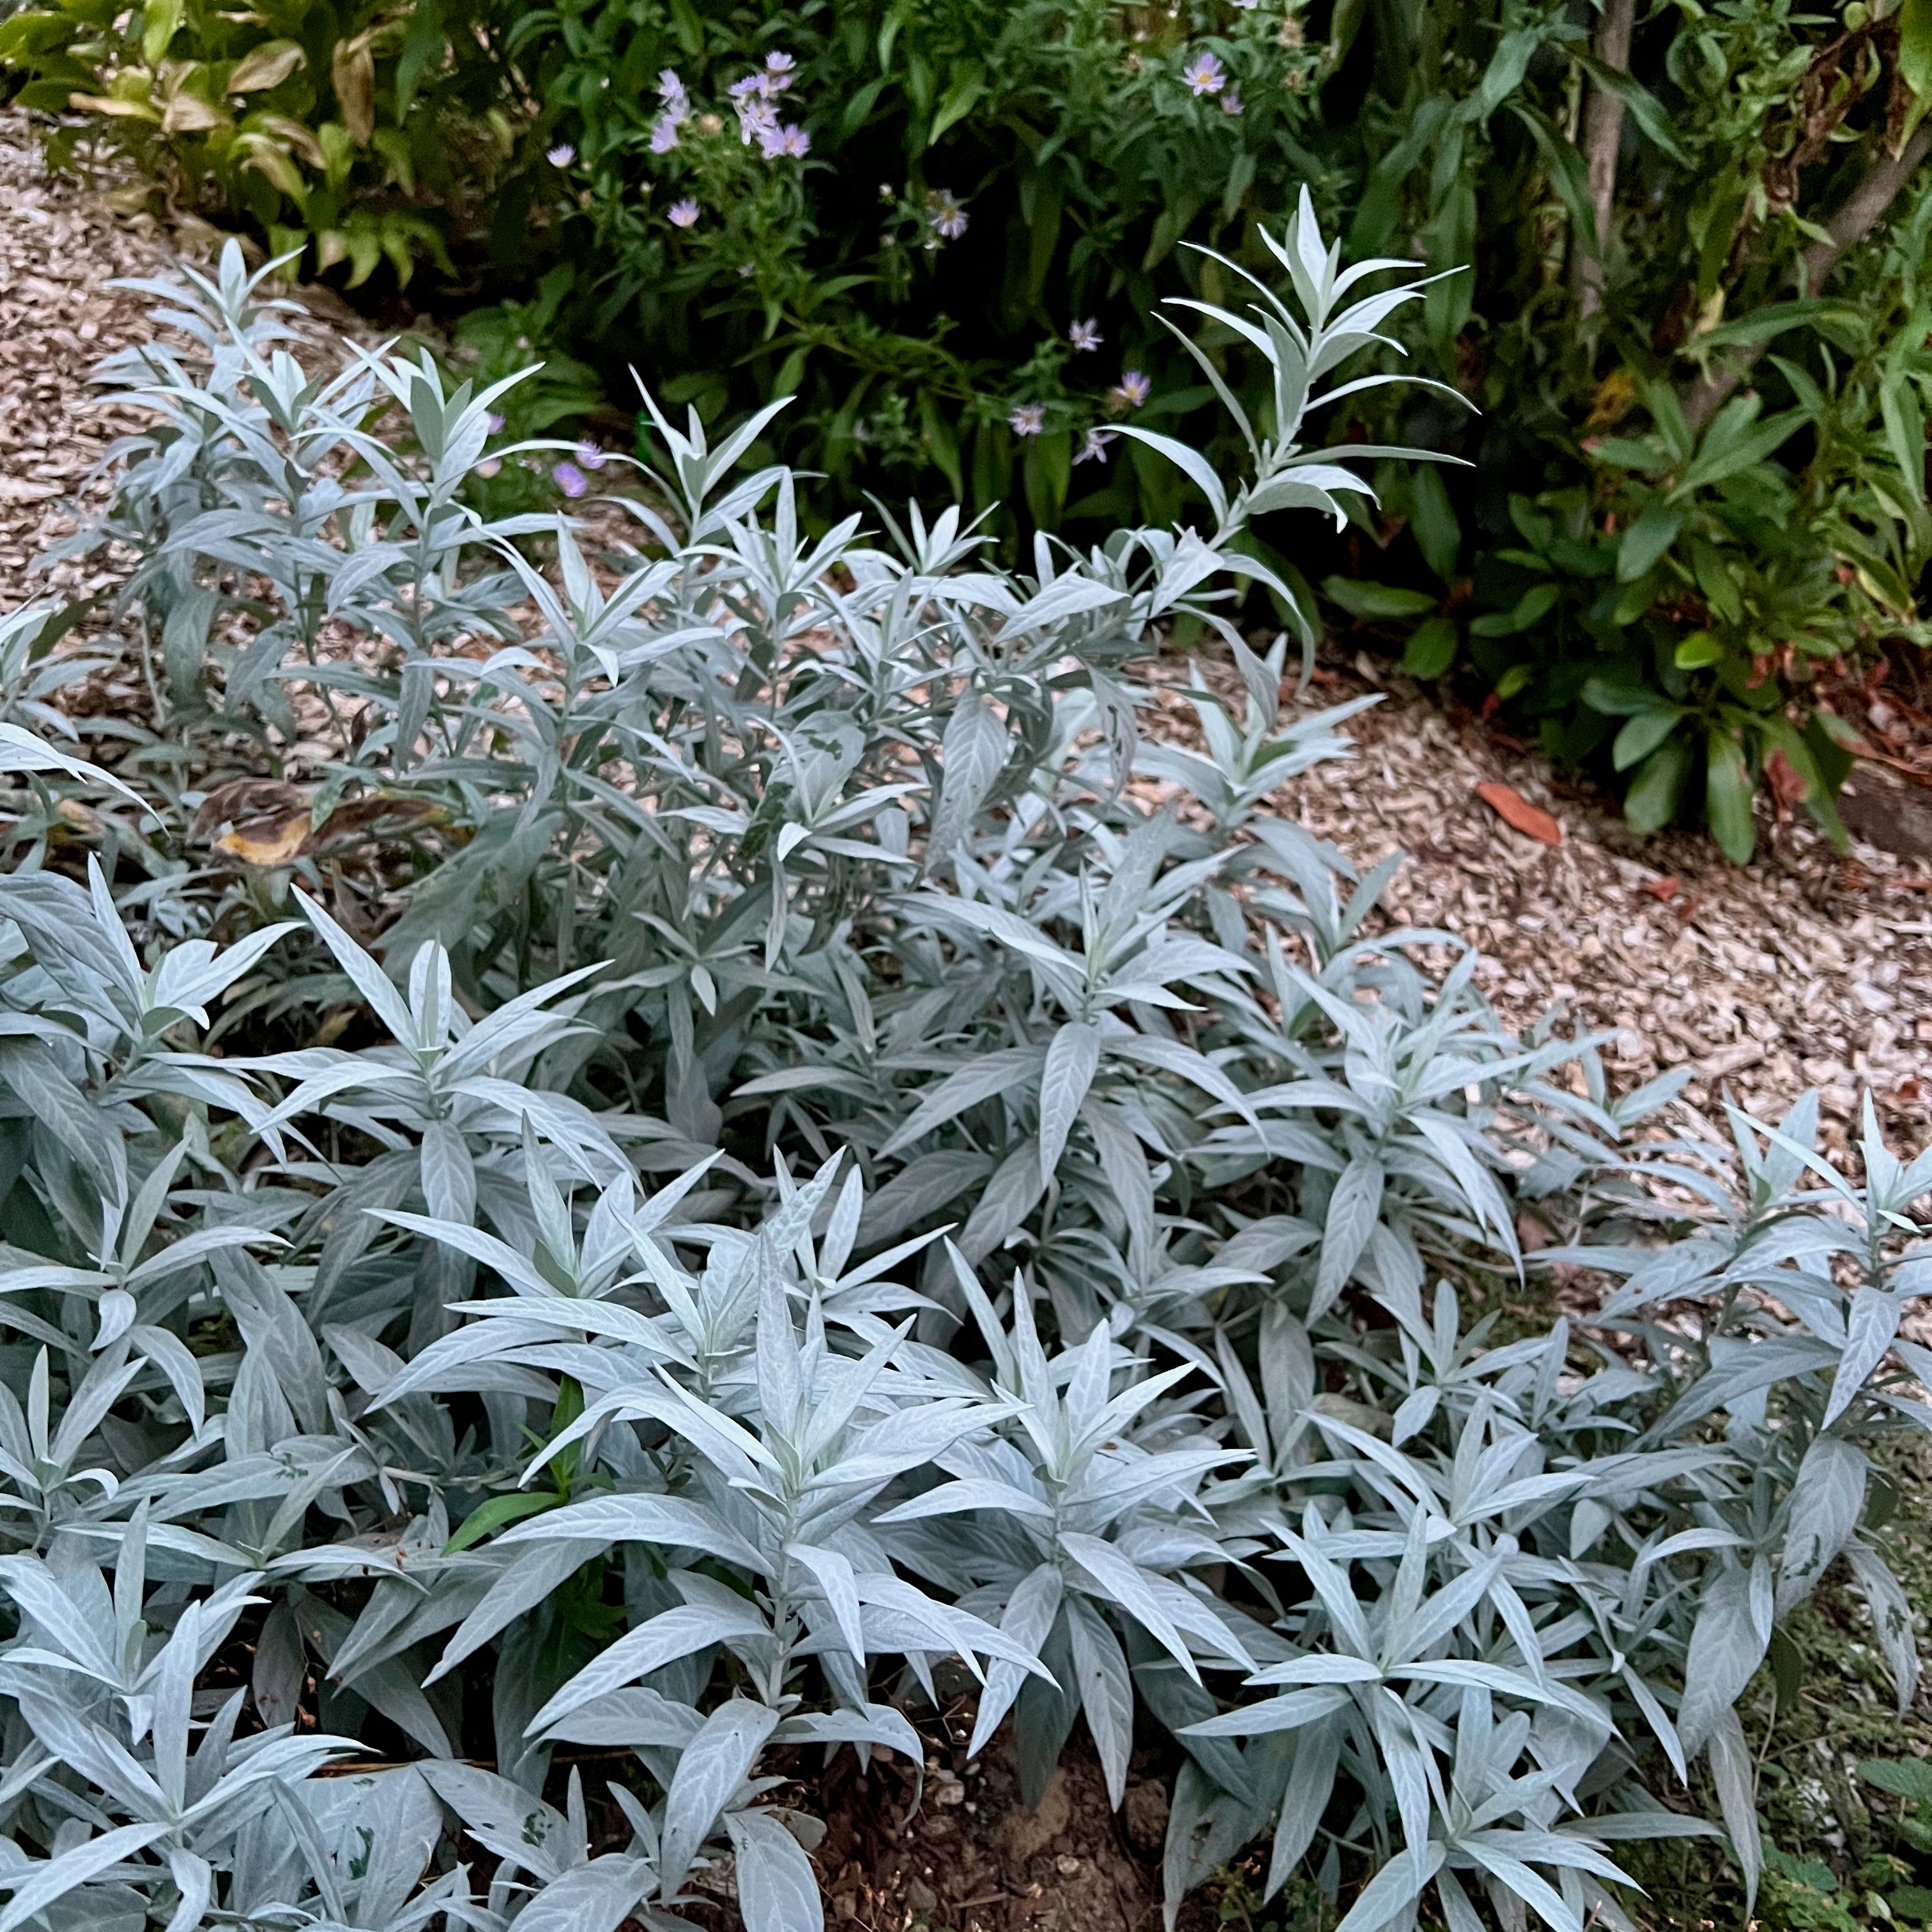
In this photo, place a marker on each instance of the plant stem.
(1853, 222)
(1602, 130)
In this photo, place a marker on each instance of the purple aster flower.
(493, 422)
(682, 214)
(780, 63)
(1205, 75)
(790, 143)
(671, 92)
(571, 480)
(1131, 390)
(590, 456)
(561, 155)
(1094, 449)
(757, 120)
(664, 134)
(1085, 335)
(1029, 419)
(1231, 101)
(947, 213)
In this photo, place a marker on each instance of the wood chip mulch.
(61, 246)
(59, 250)
(1804, 968)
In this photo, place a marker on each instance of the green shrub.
(360, 135)
(989, 187)
(819, 1181)
(1701, 463)
(1651, 572)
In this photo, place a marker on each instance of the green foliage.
(805, 1177)
(1629, 551)
(983, 178)
(351, 135)
(1655, 565)
(1838, 1849)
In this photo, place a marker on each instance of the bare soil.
(974, 1859)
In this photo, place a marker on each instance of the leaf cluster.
(848, 1162)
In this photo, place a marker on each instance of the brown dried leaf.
(351, 70)
(242, 803)
(1514, 809)
(267, 66)
(267, 841)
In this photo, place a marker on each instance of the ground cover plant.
(614, 1160)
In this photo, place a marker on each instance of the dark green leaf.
(1641, 736)
(1727, 797)
(1371, 601)
(487, 1518)
(1646, 540)
(1652, 801)
(1431, 649)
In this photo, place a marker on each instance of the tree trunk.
(1602, 130)
(1852, 222)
